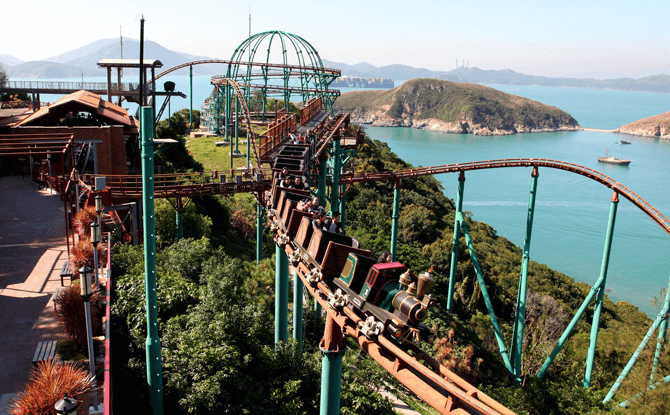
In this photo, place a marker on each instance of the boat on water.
(613, 160)
(624, 142)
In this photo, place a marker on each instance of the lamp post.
(85, 284)
(50, 182)
(66, 406)
(98, 210)
(95, 239)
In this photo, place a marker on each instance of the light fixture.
(95, 233)
(98, 204)
(66, 406)
(85, 281)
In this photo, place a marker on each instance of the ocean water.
(571, 211)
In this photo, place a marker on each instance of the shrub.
(71, 314)
(49, 382)
(82, 221)
(81, 254)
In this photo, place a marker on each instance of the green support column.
(331, 382)
(237, 126)
(332, 347)
(281, 296)
(343, 211)
(629, 366)
(590, 356)
(323, 169)
(248, 143)
(259, 233)
(568, 330)
(455, 245)
(190, 95)
(153, 343)
(662, 331)
(335, 185)
(297, 309)
(485, 294)
(520, 316)
(180, 219)
(394, 217)
(226, 110)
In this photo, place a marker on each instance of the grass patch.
(69, 351)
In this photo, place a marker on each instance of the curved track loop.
(595, 175)
(229, 62)
(245, 113)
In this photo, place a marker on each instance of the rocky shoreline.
(463, 126)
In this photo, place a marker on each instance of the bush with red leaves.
(82, 221)
(71, 314)
(81, 254)
(48, 384)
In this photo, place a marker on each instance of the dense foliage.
(215, 311)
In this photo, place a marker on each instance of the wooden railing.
(312, 107)
(278, 132)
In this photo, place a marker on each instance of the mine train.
(388, 297)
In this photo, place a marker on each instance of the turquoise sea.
(571, 212)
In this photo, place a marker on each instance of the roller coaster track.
(436, 385)
(334, 72)
(594, 175)
(245, 114)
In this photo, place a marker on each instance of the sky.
(602, 39)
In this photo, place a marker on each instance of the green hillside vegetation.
(452, 102)
(215, 311)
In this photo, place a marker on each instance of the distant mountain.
(84, 59)
(395, 72)
(656, 83)
(82, 51)
(49, 70)
(8, 60)
(152, 50)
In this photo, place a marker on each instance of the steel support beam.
(335, 184)
(485, 294)
(297, 309)
(520, 314)
(190, 95)
(259, 233)
(281, 295)
(323, 170)
(394, 217)
(660, 317)
(595, 325)
(332, 349)
(568, 330)
(455, 245)
(180, 219)
(153, 343)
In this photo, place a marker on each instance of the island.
(657, 126)
(450, 107)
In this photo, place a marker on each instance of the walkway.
(32, 251)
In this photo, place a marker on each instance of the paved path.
(32, 251)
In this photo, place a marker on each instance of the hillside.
(445, 106)
(657, 126)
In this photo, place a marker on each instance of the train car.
(388, 296)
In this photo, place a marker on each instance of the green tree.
(196, 225)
